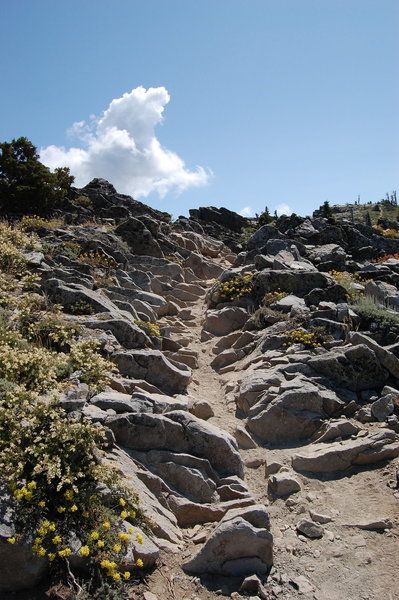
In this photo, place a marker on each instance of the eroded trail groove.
(254, 409)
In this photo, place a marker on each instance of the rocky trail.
(254, 411)
(352, 561)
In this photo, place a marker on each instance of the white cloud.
(121, 146)
(247, 211)
(283, 209)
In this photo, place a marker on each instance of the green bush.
(372, 312)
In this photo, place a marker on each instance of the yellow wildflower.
(139, 538)
(124, 514)
(51, 556)
(106, 525)
(32, 485)
(130, 530)
(41, 504)
(84, 551)
(68, 495)
(56, 539)
(123, 536)
(116, 576)
(73, 508)
(61, 509)
(117, 548)
(122, 502)
(94, 535)
(11, 540)
(100, 544)
(126, 575)
(139, 562)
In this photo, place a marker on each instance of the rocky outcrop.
(338, 456)
(236, 548)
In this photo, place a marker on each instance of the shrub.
(385, 257)
(314, 338)
(273, 297)
(246, 233)
(50, 464)
(84, 357)
(350, 281)
(238, 287)
(265, 316)
(98, 259)
(84, 202)
(52, 332)
(373, 313)
(388, 233)
(71, 250)
(150, 329)
(81, 308)
(34, 223)
(175, 259)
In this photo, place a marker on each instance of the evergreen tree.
(265, 217)
(26, 185)
(325, 210)
(367, 219)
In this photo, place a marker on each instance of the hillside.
(385, 212)
(187, 413)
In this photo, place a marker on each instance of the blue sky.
(187, 103)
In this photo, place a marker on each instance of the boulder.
(128, 334)
(331, 254)
(289, 302)
(179, 431)
(298, 282)
(262, 236)
(203, 269)
(189, 476)
(139, 239)
(234, 548)
(338, 456)
(383, 408)
(226, 320)
(387, 359)
(310, 529)
(73, 293)
(333, 429)
(244, 440)
(253, 384)
(295, 414)
(357, 368)
(201, 409)
(151, 365)
(283, 484)
(190, 513)
(256, 514)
